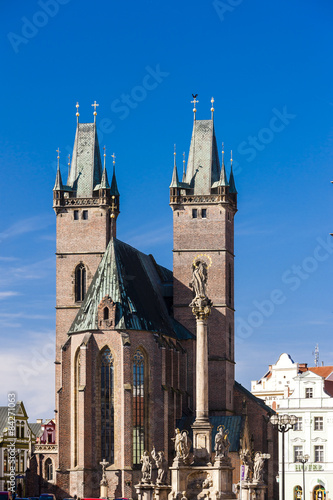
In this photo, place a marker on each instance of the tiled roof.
(322, 371)
(203, 166)
(86, 167)
(36, 429)
(134, 282)
(233, 423)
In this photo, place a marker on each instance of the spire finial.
(174, 154)
(95, 112)
(69, 164)
(222, 153)
(77, 112)
(114, 159)
(194, 103)
(58, 157)
(212, 108)
(184, 170)
(104, 155)
(231, 160)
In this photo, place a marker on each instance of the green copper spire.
(175, 179)
(223, 177)
(58, 186)
(114, 188)
(232, 188)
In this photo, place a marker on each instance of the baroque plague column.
(198, 478)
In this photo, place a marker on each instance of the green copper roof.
(114, 188)
(86, 167)
(175, 179)
(203, 166)
(135, 283)
(232, 188)
(58, 186)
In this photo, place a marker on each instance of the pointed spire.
(184, 168)
(175, 179)
(223, 177)
(58, 185)
(104, 181)
(232, 188)
(114, 188)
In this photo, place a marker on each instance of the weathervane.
(194, 103)
(95, 112)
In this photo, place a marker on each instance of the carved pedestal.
(162, 492)
(212, 482)
(144, 491)
(253, 491)
(103, 491)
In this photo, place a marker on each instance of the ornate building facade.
(125, 335)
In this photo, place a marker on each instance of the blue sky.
(268, 66)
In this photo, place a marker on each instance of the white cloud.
(28, 225)
(28, 370)
(6, 295)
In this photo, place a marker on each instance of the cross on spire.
(95, 112)
(231, 160)
(194, 103)
(114, 158)
(212, 108)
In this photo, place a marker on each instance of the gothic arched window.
(107, 406)
(139, 407)
(49, 470)
(80, 282)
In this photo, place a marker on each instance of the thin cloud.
(6, 295)
(28, 225)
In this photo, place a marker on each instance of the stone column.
(201, 307)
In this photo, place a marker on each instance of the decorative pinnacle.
(194, 103)
(222, 153)
(114, 158)
(212, 108)
(77, 111)
(174, 154)
(104, 154)
(183, 166)
(58, 157)
(95, 112)
(231, 160)
(69, 164)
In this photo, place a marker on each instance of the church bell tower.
(204, 204)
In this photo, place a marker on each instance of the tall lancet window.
(107, 406)
(80, 282)
(139, 407)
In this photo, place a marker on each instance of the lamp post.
(303, 459)
(284, 423)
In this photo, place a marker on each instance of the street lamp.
(303, 459)
(284, 423)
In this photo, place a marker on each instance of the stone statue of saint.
(222, 443)
(198, 285)
(245, 456)
(182, 444)
(258, 467)
(146, 468)
(162, 466)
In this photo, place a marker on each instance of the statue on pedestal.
(162, 466)
(146, 468)
(245, 456)
(222, 443)
(258, 468)
(182, 445)
(198, 285)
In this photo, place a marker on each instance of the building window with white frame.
(318, 423)
(298, 451)
(299, 424)
(308, 393)
(319, 453)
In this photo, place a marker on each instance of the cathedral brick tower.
(204, 205)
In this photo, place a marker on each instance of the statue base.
(145, 491)
(202, 439)
(103, 491)
(199, 482)
(162, 491)
(253, 491)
